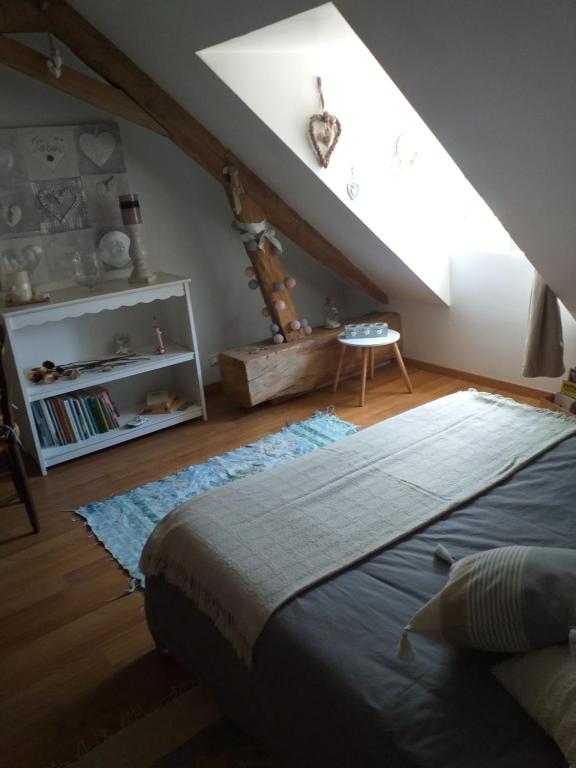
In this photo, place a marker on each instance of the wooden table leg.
(371, 350)
(402, 367)
(339, 368)
(365, 353)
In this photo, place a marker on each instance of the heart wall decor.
(324, 131)
(98, 149)
(12, 215)
(59, 202)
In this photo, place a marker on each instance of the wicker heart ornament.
(324, 131)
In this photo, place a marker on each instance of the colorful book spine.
(72, 418)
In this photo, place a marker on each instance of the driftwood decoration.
(264, 252)
(324, 131)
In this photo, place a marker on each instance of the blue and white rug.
(123, 523)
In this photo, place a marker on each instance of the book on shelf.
(568, 388)
(166, 404)
(74, 417)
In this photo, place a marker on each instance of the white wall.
(484, 329)
(187, 225)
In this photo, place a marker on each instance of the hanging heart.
(59, 203)
(352, 188)
(99, 148)
(324, 131)
(12, 215)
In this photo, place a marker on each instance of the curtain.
(544, 353)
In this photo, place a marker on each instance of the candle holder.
(132, 220)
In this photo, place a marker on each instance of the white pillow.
(544, 683)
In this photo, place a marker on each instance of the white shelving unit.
(76, 325)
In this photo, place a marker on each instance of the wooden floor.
(74, 663)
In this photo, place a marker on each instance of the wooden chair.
(11, 462)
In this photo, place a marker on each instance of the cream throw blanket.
(241, 551)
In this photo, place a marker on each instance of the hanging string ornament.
(324, 131)
(54, 61)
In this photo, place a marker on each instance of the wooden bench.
(265, 371)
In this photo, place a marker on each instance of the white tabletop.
(371, 341)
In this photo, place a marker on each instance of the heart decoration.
(50, 149)
(352, 187)
(59, 203)
(99, 148)
(12, 215)
(324, 131)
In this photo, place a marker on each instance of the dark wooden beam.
(18, 16)
(108, 61)
(32, 63)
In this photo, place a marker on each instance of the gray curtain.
(544, 353)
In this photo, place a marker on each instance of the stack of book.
(567, 396)
(71, 418)
(161, 401)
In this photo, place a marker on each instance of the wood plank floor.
(74, 663)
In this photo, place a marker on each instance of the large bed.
(326, 687)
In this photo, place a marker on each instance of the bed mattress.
(326, 687)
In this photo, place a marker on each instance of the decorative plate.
(114, 249)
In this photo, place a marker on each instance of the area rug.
(188, 731)
(123, 523)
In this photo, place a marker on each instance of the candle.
(130, 209)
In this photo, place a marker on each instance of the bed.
(326, 687)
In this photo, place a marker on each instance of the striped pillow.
(510, 599)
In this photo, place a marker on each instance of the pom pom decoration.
(278, 338)
(289, 282)
(253, 284)
(274, 328)
(304, 323)
(265, 312)
(307, 330)
(278, 287)
(280, 305)
(250, 272)
(295, 325)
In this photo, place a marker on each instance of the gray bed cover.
(327, 690)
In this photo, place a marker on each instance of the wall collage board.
(59, 189)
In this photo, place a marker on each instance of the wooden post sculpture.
(264, 256)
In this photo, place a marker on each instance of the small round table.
(367, 346)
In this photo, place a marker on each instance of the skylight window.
(411, 194)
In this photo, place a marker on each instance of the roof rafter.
(30, 62)
(16, 16)
(108, 61)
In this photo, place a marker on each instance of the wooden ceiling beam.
(17, 16)
(32, 63)
(108, 61)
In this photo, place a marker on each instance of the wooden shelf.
(174, 355)
(156, 421)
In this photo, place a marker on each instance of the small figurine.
(331, 314)
(160, 348)
(122, 344)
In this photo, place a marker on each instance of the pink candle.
(130, 209)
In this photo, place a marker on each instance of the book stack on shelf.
(162, 401)
(75, 417)
(566, 398)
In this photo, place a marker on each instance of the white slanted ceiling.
(494, 81)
